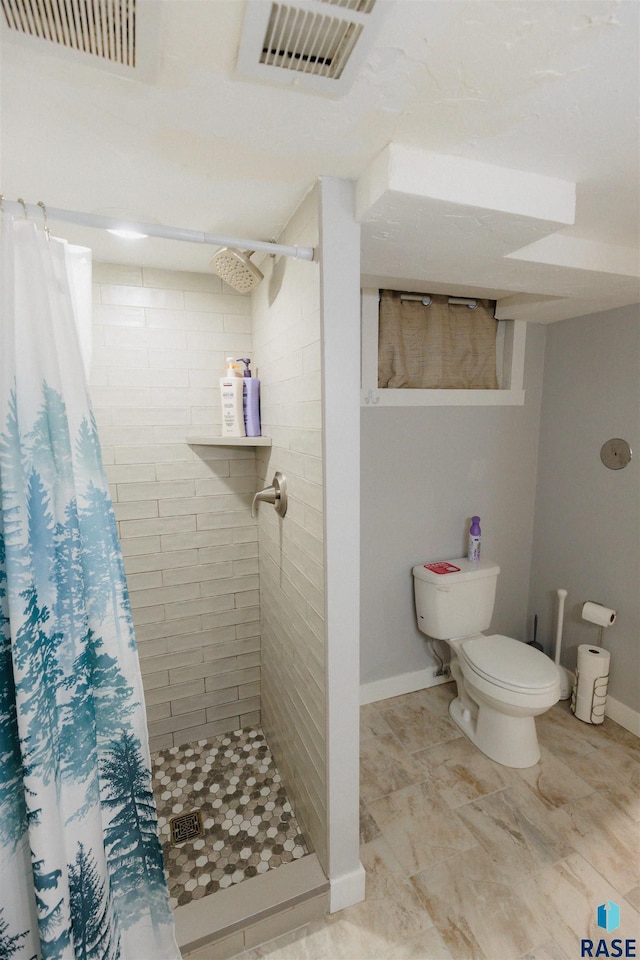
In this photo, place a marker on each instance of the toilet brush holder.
(566, 677)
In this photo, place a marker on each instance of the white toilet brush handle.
(561, 598)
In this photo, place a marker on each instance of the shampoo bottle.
(251, 400)
(474, 539)
(231, 394)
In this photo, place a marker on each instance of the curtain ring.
(24, 207)
(44, 214)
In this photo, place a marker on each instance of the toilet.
(503, 684)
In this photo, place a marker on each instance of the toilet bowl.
(503, 684)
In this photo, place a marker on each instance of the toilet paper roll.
(589, 696)
(596, 613)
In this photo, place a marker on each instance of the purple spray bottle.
(474, 539)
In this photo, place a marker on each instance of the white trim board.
(402, 683)
(347, 889)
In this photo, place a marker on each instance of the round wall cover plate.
(615, 453)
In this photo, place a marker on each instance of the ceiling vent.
(316, 45)
(110, 31)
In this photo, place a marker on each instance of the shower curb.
(245, 907)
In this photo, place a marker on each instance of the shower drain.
(186, 826)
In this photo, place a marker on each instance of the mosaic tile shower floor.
(248, 824)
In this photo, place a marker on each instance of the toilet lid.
(510, 663)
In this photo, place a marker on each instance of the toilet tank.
(455, 598)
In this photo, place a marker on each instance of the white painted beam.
(468, 183)
(577, 254)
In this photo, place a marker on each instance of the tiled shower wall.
(287, 345)
(189, 543)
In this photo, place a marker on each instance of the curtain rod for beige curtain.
(426, 300)
(35, 210)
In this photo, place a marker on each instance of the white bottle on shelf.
(231, 391)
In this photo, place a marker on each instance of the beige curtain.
(440, 346)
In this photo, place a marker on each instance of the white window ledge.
(441, 398)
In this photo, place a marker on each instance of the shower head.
(236, 269)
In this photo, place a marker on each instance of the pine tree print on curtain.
(81, 869)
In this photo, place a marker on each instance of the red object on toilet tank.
(442, 566)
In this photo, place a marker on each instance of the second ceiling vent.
(317, 45)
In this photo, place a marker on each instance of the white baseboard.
(402, 683)
(624, 715)
(347, 889)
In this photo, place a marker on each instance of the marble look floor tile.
(604, 835)
(314, 941)
(477, 912)
(340, 937)
(386, 766)
(416, 727)
(427, 945)
(565, 898)
(628, 741)
(461, 773)
(435, 699)
(549, 950)
(391, 910)
(553, 781)
(442, 696)
(615, 773)
(369, 829)
(565, 735)
(514, 828)
(387, 880)
(505, 864)
(372, 723)
(420, 828)
(633, 897)
(353, 939)
(610, 732)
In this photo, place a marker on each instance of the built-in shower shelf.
(229, 441)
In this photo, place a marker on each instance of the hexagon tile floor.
(245, 825)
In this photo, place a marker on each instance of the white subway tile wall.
(287, 347)
(189, 542)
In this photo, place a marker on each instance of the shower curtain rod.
(153, 229)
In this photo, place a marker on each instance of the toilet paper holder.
(594, 612)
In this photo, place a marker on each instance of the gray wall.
(587, 520)
(425, 472)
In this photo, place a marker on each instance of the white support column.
(340, 309)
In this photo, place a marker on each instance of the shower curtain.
(81, 868)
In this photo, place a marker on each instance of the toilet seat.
(509, 664)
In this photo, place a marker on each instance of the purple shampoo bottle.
(251, 400)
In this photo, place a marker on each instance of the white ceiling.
(513, 171)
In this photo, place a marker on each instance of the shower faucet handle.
(275, 494)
